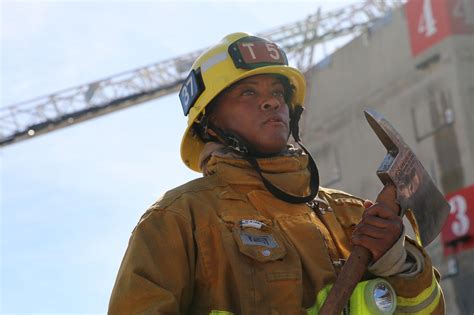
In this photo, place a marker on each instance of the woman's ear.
(211, 132)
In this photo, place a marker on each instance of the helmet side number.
(190, 91)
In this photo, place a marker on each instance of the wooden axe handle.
(346, 281)
(356, 264)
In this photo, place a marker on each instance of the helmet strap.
(282, 195)
(230, 139)
(295, 115)
(250, 154)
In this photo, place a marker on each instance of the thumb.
(388, 197)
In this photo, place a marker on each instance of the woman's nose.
(270, 103)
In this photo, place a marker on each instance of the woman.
(256, 234)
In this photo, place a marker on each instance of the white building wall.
(429, 100)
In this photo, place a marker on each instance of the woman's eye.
(279, 93)
(248, 92)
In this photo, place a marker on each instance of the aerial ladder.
(38, 116)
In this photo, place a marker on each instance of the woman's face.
(255, 109)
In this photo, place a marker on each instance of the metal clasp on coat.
(251, 223)
(319, 204)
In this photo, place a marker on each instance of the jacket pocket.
(261, 244)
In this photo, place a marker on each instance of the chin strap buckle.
(235, 144)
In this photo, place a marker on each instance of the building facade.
(416, 67)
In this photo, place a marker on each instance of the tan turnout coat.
(201, 246)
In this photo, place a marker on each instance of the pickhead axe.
(416, 193)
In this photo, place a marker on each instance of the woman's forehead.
(255, 79)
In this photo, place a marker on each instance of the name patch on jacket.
(258, 240)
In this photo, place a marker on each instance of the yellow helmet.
(235, 57)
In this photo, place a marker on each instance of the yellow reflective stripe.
(320, 298)
(312, 310)
(357, 300)
(423, 303)
(215, 312)
(322, 295)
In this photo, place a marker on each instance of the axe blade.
(416, 191)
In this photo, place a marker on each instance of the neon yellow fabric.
(320, 298)
(358, 303)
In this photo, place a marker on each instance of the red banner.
(458, 232)
(430, 21)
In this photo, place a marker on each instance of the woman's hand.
(381, 224)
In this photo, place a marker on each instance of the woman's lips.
(275, 120)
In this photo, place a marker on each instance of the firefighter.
(256, 234)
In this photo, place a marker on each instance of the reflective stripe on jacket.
(223, 243)
(362, 302)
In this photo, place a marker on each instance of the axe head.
(416, 191)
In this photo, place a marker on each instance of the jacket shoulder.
(179, 201)
(190, 189)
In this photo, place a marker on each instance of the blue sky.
(70, 199)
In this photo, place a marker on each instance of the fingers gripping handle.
(354, 268)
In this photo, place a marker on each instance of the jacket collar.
(288, 171)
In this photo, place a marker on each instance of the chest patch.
(258, 240)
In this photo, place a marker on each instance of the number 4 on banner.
(426, 21)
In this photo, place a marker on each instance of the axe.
(416, 194)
